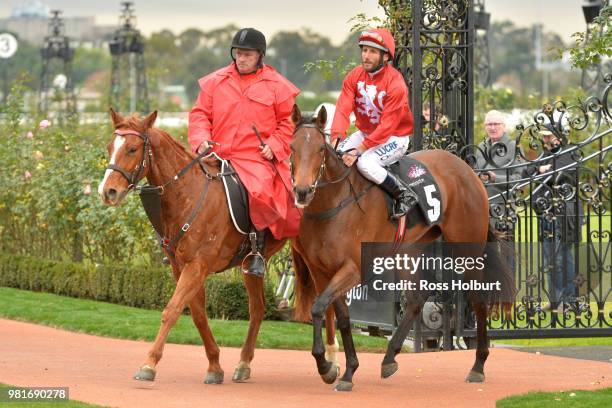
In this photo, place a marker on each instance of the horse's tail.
(497, 269)
(305, 292)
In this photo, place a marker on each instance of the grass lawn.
(39, 403)
(110, 320)
(566, 399)
(577, 342)
(529, 222)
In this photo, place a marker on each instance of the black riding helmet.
(251, 39)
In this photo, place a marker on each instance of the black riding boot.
(405, 198)
(257, 263)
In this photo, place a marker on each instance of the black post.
(469, 112)
(417, 65)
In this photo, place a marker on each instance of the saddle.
(237, 199)
(238, 206)
(415, 175)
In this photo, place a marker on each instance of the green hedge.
(144, 287)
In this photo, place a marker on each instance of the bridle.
(147, 154)
(353, 197)
(324, 146)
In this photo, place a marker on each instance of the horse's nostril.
(302, 193)
(111, 194)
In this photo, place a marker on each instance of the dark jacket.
(497, 163)
(562, 185)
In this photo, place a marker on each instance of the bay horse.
(194, 213)
(331, 245)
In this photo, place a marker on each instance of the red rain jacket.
(380, 103)
(226, 109)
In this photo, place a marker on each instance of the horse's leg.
(254, 286)
(197, 306)
(414, 305)
(476, 374)
(332, 347)
(347, 277)
(352, 363)
(421, 234)
(190, 281)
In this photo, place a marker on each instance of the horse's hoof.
(475, 377)
(214, 378)
(387, 370)
(242, 372)
(145, 373)
(332, 374)
(343, 386)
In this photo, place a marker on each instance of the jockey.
(234, 100)
(377, 94)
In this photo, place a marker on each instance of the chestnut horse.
(331, 246)
(195, 214)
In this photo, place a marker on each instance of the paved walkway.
(596, 353)
(99, 370)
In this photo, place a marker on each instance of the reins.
(352, 198)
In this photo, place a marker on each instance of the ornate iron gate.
(536, 209)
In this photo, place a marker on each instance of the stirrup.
(253, 254)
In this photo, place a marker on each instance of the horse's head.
(307, 154)
(129, 154)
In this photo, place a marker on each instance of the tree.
(589, 49)
(190, 40)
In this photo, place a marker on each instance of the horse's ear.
(321, 118)
(149, 121)
(296, 115)
(115, 117)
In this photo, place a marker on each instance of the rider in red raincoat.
(232, 100)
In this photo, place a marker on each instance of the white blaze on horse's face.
(117, 144)
(304, 181)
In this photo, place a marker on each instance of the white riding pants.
(371, 162)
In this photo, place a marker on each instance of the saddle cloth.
(415, 174)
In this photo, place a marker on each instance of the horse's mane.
(135, 122)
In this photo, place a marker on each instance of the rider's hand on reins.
(349, 159)
(350, 156)
(207, 146)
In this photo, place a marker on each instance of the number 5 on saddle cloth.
(415, 175)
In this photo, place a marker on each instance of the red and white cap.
(379, 38)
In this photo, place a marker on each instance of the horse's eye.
(132, 150)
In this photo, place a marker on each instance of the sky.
(326, 17)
